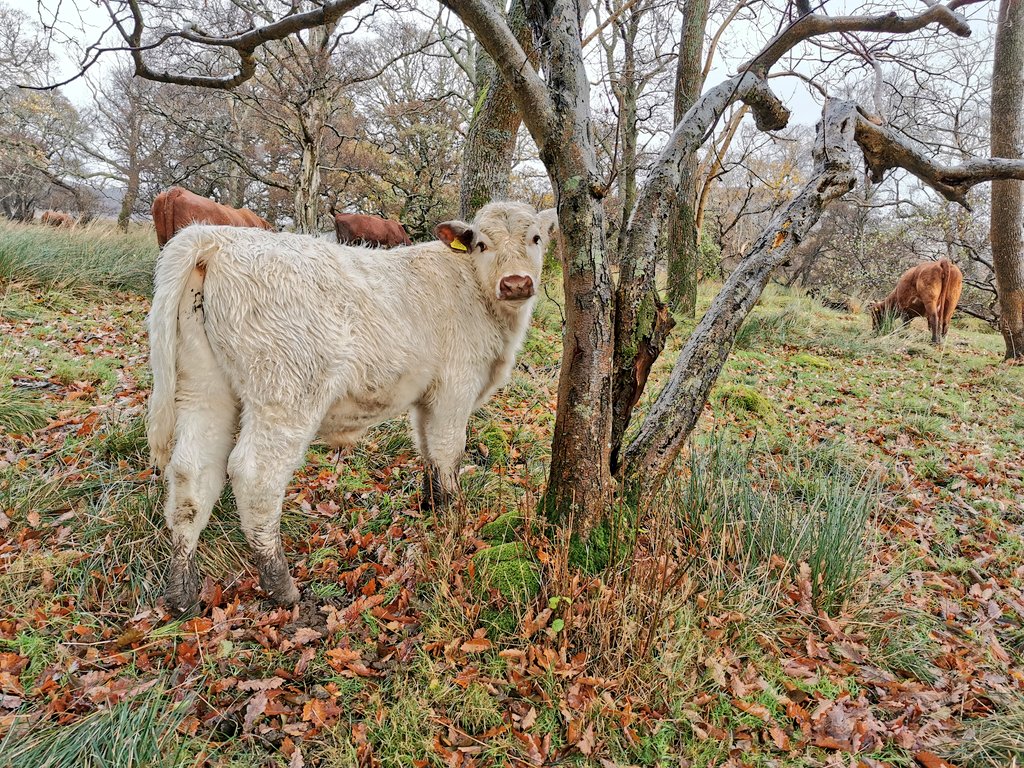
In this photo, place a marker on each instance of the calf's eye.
(482, 247)
(536, 239)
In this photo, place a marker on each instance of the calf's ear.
(457, 235)
(548, 222)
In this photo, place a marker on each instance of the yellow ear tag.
(457, 245)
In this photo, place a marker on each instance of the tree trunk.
(627, 92)
(131, 194)
(307, 190)
(580, 482)
(682, 230)
(491, 139)
(133, 169)
(1007, 222)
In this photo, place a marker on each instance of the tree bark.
(1007, 222)
(133, 171)
(674, 414)
(627, 93)
(682, 231)
(307, 187)
(491, 139)
(580, 482)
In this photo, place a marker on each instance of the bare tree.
(122, 145)
(1007, 229)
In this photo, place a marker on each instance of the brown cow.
(363, 229)
(176, 208)
(930, 290)
(57, 219)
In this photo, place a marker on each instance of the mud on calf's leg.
(440, 430)
(182, 588)
(260, 467)
(437, 494)
(195, 477)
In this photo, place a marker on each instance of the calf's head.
(506, 242)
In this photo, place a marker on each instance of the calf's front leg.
(440, 433)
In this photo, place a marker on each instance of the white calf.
(278, 338)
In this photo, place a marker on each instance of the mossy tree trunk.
(683, 251)
(1007, 222)
(580, 480)
(490, 145)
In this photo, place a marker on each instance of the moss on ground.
(509, 568)
(502, 529)
(744, 399)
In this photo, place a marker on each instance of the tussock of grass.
(21, 411)
(139, 732)
(995, 741)
(816, 514)
(766, 327)
(88, 258)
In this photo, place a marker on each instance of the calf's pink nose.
(515, 287)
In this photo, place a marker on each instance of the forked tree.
(616, 328)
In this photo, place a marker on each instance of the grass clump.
(816, 514)
(21, 411)
(139, 732)
(403, 735)
(767, 328)
(994, 741)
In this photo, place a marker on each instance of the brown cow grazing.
(57, 219)
(930, 290)
(363, 229)
(176, 208)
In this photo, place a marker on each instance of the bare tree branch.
(244, 44)
(884, 150)
(814, 25)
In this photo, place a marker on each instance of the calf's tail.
(176, 266)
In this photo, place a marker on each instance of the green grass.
(91, 258)
(840, 485)
(21, 410)
(814, 514)
(138, 732)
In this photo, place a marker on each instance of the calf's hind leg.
(260, 466)
(203, 434)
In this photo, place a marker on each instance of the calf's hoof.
(182, 592)
(277, 582)
(434, 495)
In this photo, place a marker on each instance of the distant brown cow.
(930, 290)
(57, 219)
(363, 229)
(176, 208)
